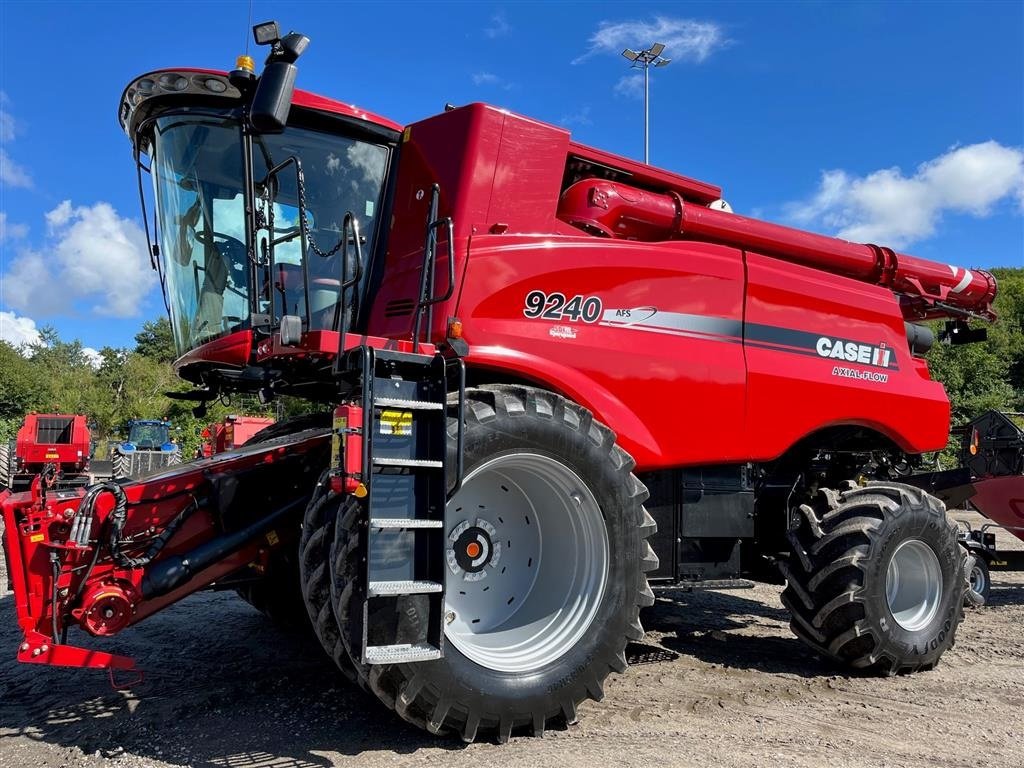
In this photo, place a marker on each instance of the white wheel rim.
(913, 585)
(527, 555)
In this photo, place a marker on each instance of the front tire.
(539, 469)
(278, 592)
(876, 578)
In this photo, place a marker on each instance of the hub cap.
(527, 554)
(913, 585)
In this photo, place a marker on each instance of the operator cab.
(254, 226)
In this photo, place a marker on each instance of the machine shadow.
(716, 627)
(223, 687)
(1003, 594)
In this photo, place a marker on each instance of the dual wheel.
(546, 551)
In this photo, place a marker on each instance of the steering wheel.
(231, 248)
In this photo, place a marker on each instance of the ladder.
(402, 503)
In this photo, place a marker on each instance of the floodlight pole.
(644, 59)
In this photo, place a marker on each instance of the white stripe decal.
(967, 278)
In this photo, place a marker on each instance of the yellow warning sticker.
(35, 538)
(273, 539)
(396, 423)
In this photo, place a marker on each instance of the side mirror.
(272, 100)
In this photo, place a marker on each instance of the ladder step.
(398, 654)
(384, 588)
(404, 522)
(409, 405)
(425, 463)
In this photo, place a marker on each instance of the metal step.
(400, 654)
(408, 405)
(385, 588)
(421, 463)
(404, 522)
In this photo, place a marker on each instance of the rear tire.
(876, 579)
(480, 688)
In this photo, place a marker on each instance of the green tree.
(156, 340)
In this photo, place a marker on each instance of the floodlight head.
(631, 54)
(656, 49)
(266, 33)
(663, 62)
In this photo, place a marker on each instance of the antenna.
(247, 28)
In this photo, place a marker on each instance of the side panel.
(825, 350)
(646, 336)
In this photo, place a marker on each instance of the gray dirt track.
(719, 680)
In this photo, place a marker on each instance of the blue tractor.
(149, 447)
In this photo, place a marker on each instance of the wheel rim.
(913, 585)
(977, 579)
(527, 554)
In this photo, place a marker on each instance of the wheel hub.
(473, 549)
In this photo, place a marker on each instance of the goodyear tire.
(876, 578)
(537, 468)
(278, 592)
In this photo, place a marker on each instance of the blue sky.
(899, 123)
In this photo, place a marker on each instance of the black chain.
(305, 222)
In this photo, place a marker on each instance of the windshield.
(212, 286)
(149, 436)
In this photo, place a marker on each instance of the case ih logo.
(854, 352)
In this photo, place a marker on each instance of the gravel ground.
(719, 680)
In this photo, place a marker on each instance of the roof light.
(246, 64)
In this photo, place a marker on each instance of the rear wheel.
(546, 554)
(876, 579)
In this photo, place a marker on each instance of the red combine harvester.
(56, 441)
(231, 433)
(551, 377)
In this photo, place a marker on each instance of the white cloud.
(890, 208)
(491, 79)
(12, 174)
(485, 78)
(92, 255)
(684, 39)
(8, 128)
(630, 86)
(17, 330)
(499, 26)
(93, 356)
(20, 332)
(579, 117)
(9, 230)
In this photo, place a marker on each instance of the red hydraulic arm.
(927, 289)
